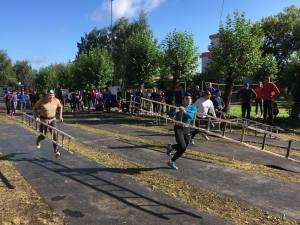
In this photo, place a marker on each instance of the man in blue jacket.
(184, 115)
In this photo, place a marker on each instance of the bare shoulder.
(57, 101)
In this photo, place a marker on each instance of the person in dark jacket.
(246, 94)
(219, 107)
(196, 93)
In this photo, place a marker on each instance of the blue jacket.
(22, 98)
(187, 116)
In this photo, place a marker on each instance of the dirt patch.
(19, 203)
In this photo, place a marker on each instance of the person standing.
(33, 97)
(8, 104)
(219, 106)
(185, 115)
(178, 95)
(258, 99)
(196, 93)
(45, 110)
(269, 92)
(246, 94)
(204, 106)
(155, 97)
(23, 101)
(14, 102)
(211, 89)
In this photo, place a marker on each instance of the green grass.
(235, 110)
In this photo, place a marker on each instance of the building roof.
(214, 36)
(207, 54)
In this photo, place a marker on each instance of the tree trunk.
(296, 106)
(227, 94)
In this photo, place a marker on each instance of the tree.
(180, 56)
(46, 78)
(24, 73)
(120, 34)
(63, 74)
(7, 75)
(92, 69)
(296, 106)
(238, 54)
(279, 34)
(143, 59)
(268, 68)
(94, 39)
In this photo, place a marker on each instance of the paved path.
(114, 123)
(84, 192)
(258, 190)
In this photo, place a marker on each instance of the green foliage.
(122, 32)
(46, 78)
(143, 59)
(287, 76)
(24, 73)
(7, 75)
(180, 56)
(64, 75)
(54, 76)
(268, 68)
(280, 38)
(238, 54)
(92, 69)
(94, 39)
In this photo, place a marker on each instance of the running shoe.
(172, 165)
(56, 153)
(38, 145)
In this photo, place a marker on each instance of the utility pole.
(111, 40)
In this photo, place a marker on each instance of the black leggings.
(182, 136)
(268, 110)
(246, 110)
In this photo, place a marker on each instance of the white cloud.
(124, 8)
(37, 60)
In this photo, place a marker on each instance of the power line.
(221, 13)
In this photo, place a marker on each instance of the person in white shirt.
(205, 106)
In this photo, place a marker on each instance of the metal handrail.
(209, 118)
(31, 122)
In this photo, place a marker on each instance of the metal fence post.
(288, 149)
(243, 135)
(264, 141)
(224, 129)
(208, 123)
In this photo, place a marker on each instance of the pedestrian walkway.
(84, 192)
(261, 191)
(114, 122)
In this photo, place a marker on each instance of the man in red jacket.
(269, 92)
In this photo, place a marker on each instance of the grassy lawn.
(282, 120)
(235, 110)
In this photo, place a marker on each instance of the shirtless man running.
(45, 110)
